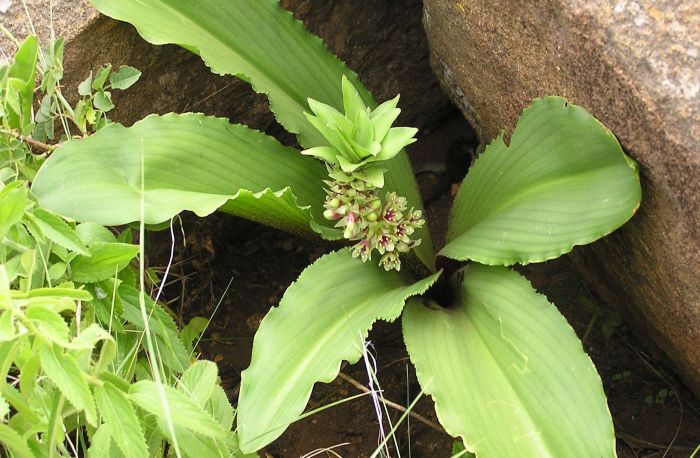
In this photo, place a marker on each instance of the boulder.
(634, 64)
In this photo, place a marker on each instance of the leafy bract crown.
(360, 137)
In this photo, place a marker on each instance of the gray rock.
(635, 64)
(67, 19)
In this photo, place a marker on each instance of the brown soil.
(259, 264)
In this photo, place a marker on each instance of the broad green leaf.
(263, 44)
(63, 254)
(64, 291)
(32, 265)
(21, 77)
(13, 200)
(31, 431)
(49, 324)
(37, 237)
(107, 303)
(103, 101)
(19, 239)
(8, 353)
(124, 78)
(65, 373)
(126, 236)
(91, 233)
(121, 420)
(506, 371)
(84, 347)
(44, 121)
(7, 174)
(562, 181)
(57, 230)
(220, 408)
(183, 411)
(192, 331)
(190, 162)
(322, 320)
(173, 352)
(101, 77)
(13, 267)
(198, 381)
(14, 442)
(7, 326)
(116, 380)
(18, 401)
(154, 437)
(105, 260)
(84, 88)
(55, 304)
(29, 377)
(57, 270)
(159, 320)
(80, 113)
(101, 445)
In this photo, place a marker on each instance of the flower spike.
(358, 140)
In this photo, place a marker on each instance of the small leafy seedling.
(659, 399)
(76, 377)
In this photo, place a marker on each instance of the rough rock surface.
(635, 64)
(389, 59)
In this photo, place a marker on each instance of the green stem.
(589, 328)
(697, 449)
(54, 424)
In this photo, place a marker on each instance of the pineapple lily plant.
(507, 373)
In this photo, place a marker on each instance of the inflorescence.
(359, 140)
(386, 227)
